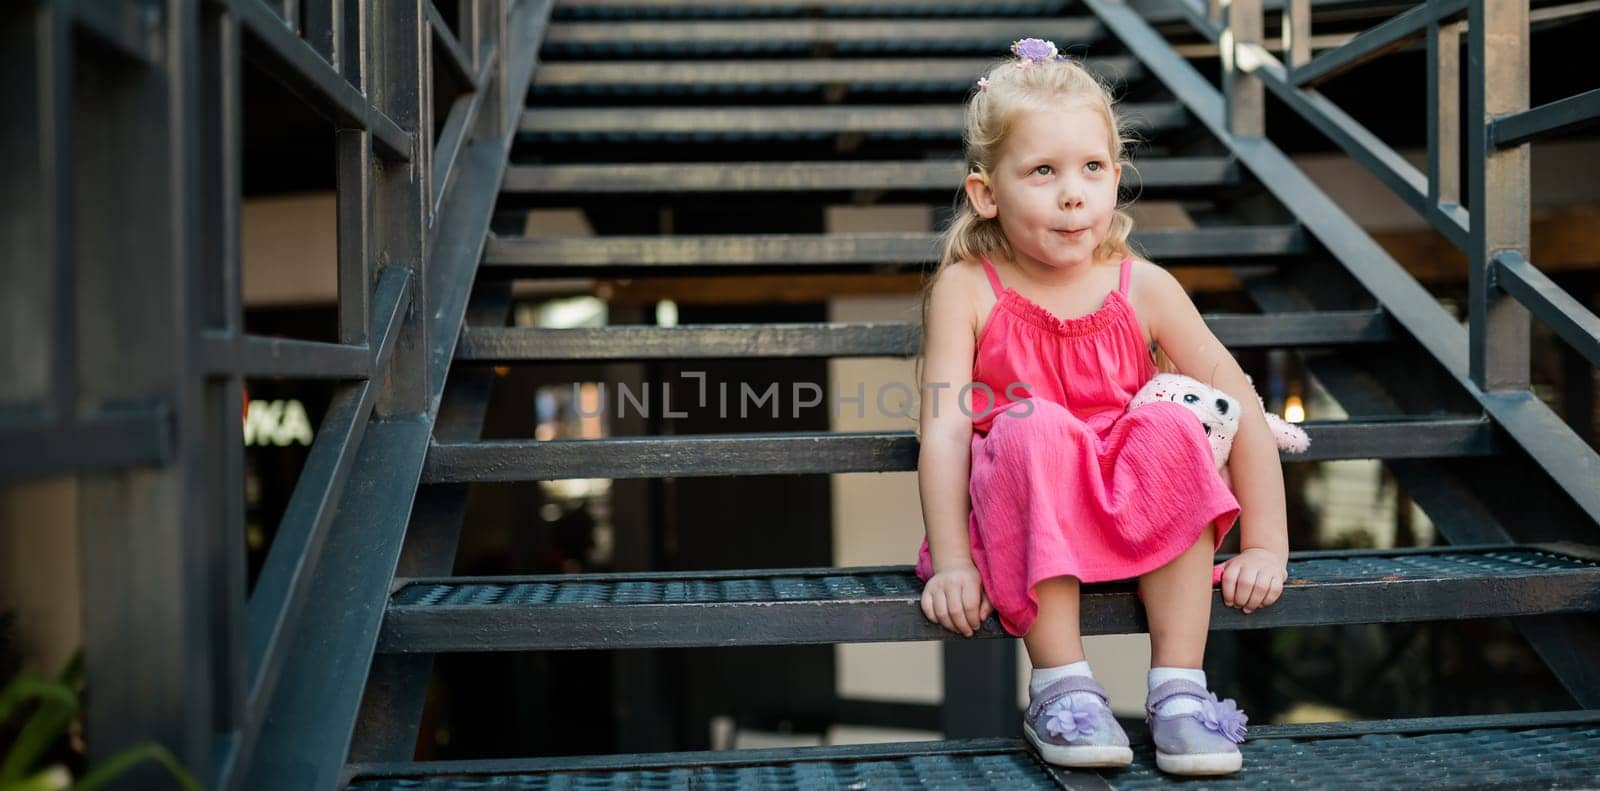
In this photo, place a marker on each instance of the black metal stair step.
(496, 345)
(1558, 749)
(806, 453)
(707, 36)
(589, 256)
(658, 9)
(932, 176)
(883, 603)
(678, 77)
(725, 124)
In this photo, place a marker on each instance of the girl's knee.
(1162, 412)
(1020, 428)
(1166, 417)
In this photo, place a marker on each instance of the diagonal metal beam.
(281, 589)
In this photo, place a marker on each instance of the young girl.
(1039, 480)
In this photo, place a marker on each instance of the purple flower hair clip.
(1035, 50)
(983, 83)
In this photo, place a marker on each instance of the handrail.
(1374, 43)
(1498, 158)
(317, 81)
(1497, 161)
(1546, 119)
(1490, 362)
(1552, 305)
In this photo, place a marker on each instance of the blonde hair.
(1013, 88)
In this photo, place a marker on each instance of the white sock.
(1042, 677)
(1180, 705)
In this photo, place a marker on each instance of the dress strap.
(1127, 269)
(994, 279)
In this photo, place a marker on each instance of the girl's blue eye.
(1041, 167)
(1097, 166)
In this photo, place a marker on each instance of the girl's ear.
(980, 196)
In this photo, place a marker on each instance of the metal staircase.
(845, 144)
(318, 681)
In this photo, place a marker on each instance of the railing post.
(400, 199)
(1498, 328)
(152, 586)
(1296, 32)
(1444, 115)
(1246, 103)
(504, 101)
(220, 305)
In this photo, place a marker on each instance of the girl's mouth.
(1071, 234)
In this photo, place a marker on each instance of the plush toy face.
(1217, 411)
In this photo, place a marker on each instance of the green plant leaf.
(57, 703)
(72, 673)
(52, 779)
(25, 688)
(110, 768)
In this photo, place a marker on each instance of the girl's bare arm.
(944, 460)
(1253, 463)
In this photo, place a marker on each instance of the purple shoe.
(1204, 742)
(1070, 734)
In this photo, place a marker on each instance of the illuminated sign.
(279, 423)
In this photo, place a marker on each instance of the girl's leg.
(1062, 685)
(1178, 604)
(1054, 639)
(1177, 600)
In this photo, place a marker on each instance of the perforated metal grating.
(901, 582)
(1015, 770)
(1551, 757)
(833, 587)
(1559, 757)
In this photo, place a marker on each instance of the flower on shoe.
(1034, 50)
(1068, 723)
(1224, 717)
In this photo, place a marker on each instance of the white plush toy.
(1218, 412)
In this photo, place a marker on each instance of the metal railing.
(1492, 228)
(123, 203)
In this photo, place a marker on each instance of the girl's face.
(1054, 187)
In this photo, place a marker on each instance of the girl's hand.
(954, 598)
(1253, 579)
